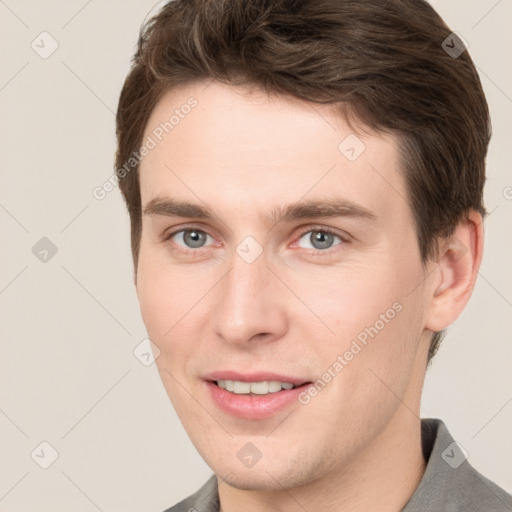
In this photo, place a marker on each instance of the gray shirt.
(449, 484)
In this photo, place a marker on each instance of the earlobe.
(458, 263)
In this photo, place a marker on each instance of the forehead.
(233, 146)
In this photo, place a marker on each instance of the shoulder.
(450, 483)
(478, 493)
(206, 499)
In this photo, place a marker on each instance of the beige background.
(68, 375)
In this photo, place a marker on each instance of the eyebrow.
(310, 209)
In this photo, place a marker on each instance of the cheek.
(160, 294)
(376, 319)
(161, 304)
(386, 337)
(155, 305)
(170, 300)
(352, 300)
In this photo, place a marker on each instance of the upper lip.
(253, 377)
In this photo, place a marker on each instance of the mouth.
(254, 396)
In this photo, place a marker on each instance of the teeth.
(240, 388)
(274, 386)
(258, 388)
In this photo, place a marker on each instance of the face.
(278, 245)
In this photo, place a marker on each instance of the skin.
(356, 445)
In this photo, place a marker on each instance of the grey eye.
(192, 238)
(319, 239)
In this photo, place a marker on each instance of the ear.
(457, 268)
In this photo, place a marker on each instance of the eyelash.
(317, 252)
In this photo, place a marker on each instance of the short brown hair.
(383, 60)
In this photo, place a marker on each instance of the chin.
(263, 477)
(259, 481)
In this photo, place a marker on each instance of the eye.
(320, 239)
(190, 238)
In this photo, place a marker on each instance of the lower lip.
(253, 407)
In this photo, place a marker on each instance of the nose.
(252, 304)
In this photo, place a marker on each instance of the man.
(304, 181)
